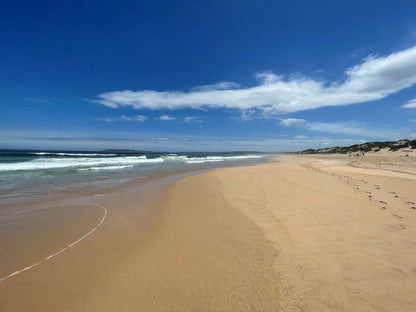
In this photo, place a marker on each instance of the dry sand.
(318, 233)
(345, 236)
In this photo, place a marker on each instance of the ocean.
(35, 175)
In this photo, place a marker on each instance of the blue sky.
(206, 75)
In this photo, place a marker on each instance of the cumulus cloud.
(124, 118)
(373, 79)
(292, 122)
(166, 118)
(410, 104)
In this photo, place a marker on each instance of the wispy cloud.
(292, 122)
(349, 128)
(301, 137)
(357, 53)
(373, 79)
(223, 85)
(124, 118)
(193, 119)
(166, 118)
(102, 140)
(410, 104)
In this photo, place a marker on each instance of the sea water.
(33, 175)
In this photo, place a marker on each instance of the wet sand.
(322, 233)
(72, 276)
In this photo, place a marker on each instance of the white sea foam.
(106, 168)
(73, 154)
(75, 162)
(199, 160)
(47, 258)
(110, 163)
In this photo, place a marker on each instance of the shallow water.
(36, 175)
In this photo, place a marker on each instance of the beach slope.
(345, 235)
(310, 233)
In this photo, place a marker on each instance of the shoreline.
(44, 177)
(300, 233)
(52, 231)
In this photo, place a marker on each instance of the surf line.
(63, 249)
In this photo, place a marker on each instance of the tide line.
(63, 249)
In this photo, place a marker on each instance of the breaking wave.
(94, 161)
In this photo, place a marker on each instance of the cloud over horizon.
(123, 118)
(375, 78)
(349, 128)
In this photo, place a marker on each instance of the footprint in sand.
(383, 202)
(397, 216)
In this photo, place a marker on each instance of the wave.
(199, 160)
(72, 154)
(106, 168)
(109, 163)
(74, 162)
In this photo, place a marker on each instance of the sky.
(206, 75)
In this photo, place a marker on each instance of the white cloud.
(124, 118)
(166, 118)
(410, 104)
(301, 137)
(248, 115)
(96, 140)
(288, 122)
(350, 128)
(223, 85)
(193, 119)
(160, 139)
(375, 78)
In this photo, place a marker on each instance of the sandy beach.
(302, 233)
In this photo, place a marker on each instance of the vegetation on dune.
(364, 147)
